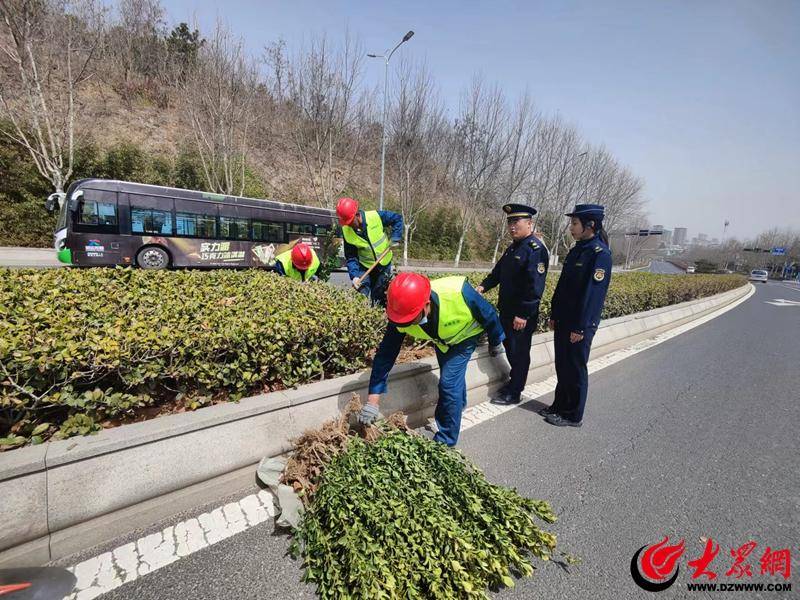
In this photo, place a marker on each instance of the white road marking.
(110, 570)
(782, 302)
(126, 563)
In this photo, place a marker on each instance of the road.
(664, 267)
(695, 437)
(28, 257)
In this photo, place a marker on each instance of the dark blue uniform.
(576, 307)
(520, 273)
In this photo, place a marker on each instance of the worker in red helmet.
(451, 314)
(365, 239)
(300, 263)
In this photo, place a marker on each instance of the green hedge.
(105, 343)
(82, 347)
(634, 291)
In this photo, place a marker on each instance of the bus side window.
(196, 225)
(322, 230)
(195, 219)
(267, 231)
(97, 213)
(233, 228)
(300, 228)
(148, 220)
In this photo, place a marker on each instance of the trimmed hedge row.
(82, 347)
(634, 292)
(102, 343)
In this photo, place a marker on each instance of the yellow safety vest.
(369, 251)
(291, 272)
(456, 322)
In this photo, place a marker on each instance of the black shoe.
(559, 421)
(547, 410)
(504, 397)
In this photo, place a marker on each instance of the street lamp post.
(386, 56)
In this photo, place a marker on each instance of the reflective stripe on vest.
(456, 322)
(291, 272)
(370, 250)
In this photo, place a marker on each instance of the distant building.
(665, 239)
(679, 236)
(702, 237)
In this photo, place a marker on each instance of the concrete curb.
(65, 496)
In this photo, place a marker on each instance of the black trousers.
(518, 351)
(572, 373)
(374, 287)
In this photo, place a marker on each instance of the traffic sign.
(778, 251)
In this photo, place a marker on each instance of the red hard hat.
(346, 210)
(302, 256)
(406, 297)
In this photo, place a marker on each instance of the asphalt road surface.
(693, 438)
(664, 267)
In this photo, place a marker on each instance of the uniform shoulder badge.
(598, 248)
(599, 274)
(540, 268)
(533, 245)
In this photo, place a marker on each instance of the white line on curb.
(110, 570)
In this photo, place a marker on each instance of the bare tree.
(51, 46)
(557, 177)
(623, 200)
(330, 114)
(481, 149)
(219, 101)
(415, 121)
(519, 164)
(137, 46)
(278, 63)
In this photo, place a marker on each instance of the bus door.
(95, 228)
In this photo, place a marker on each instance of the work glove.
(356, 282)
(497, 350)
(368, 414)
(395, 243)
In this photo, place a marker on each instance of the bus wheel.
(152, 258)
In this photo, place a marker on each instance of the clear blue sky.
(700, 98)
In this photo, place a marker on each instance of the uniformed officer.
(449, 312)
(300, 263)
(575, 312)
(521, 273)
(365, 240)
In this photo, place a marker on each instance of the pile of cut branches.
(390, 514)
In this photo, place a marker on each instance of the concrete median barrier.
(65, 496)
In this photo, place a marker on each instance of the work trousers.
(452, 390)
(374, 286)
(572, 373)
